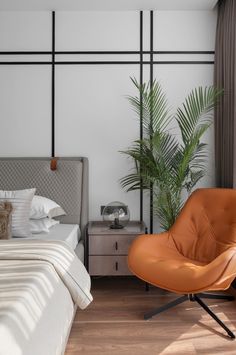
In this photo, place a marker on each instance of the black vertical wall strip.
(53, 85)
(151, 85)
(141, 107)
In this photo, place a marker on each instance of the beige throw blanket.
(66, 264)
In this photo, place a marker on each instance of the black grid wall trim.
(55, 60)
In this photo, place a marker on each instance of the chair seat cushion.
(155, 259)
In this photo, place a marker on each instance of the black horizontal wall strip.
(183, 52)
(26, 53)
(184, 62)
(131, 62)
(96, 52)
(100, 52)
(132, 52)
(25, 63)
(96, 62)
(106, 62)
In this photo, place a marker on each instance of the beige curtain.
(225, 77)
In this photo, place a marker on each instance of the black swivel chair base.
(195, 298)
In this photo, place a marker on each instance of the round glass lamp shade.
(116, 214)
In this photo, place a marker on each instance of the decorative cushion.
(5, 220)
(41, 225)
(43, 207)
(21, 202)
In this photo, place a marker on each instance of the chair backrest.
(206, 226)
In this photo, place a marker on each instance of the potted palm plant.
(167, 164)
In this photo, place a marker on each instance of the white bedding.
(38, 280)
(79, 251)
(69, 233)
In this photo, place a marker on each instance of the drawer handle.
(116, 246)
(116, 265)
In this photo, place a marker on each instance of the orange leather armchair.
(197, 254)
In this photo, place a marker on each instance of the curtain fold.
(225, 77)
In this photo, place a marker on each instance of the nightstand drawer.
(110, 244)
(108, 265)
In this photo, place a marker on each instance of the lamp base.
(116, 224)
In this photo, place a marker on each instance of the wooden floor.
(113, 324)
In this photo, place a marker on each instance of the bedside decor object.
(116, 214)
(5, 220)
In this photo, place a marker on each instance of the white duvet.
(38, 280)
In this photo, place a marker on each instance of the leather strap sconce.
(53, 164)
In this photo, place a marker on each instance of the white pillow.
(41, 225)
(21, 203)
(42, 207)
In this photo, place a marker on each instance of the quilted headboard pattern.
(67, 185)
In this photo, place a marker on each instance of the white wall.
(93, 117)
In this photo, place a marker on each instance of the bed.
(67, 185)
(42, 281)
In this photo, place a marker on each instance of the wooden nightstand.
(107, 248)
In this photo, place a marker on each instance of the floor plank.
(113, 324)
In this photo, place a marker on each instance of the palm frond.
(152, 106)
(196, 108)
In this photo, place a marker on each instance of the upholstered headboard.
(67, 185)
